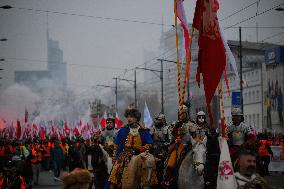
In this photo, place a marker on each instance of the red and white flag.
(183, 21)
(103, 121)
(26, 115)
(118, 122)
(18, 130)
(212, 53)
(66, 129)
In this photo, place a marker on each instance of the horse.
(141, 171)
(102, 164)
(192, 167)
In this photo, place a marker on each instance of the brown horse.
(140, 173)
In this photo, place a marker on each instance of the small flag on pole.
(26, 115)
(118, 122)
(148, 121)
(103, 121)
(226, 178)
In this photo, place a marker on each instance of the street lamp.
(279, 9)
(6, 7)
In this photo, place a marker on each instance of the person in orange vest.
(35, 160)
(11, 179)
(264, 153)
(46, 155)
(64, 146)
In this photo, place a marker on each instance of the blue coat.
(122, 135)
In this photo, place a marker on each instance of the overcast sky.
(109, 46)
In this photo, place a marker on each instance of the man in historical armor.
(109, 133)
(160, 134)
(213, 150)
(246, 177)
(178, 147)
(239, 133)
(131, 139)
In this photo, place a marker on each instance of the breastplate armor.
(160, 135)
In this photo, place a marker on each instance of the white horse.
(192, 167)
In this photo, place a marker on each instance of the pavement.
(46, 181)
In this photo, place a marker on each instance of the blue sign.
(274, 55)
(236, 98)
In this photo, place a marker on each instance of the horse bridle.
(194, 163)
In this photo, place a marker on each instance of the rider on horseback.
(132, 139)
(213, 150)
(178, 146)
(109, 133)
(160, 135)
(239, 133)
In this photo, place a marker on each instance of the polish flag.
(18, 130)
(183, 21)
(103, 121)
(66, 129)
(118, 122)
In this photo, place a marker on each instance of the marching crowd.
(22, 160)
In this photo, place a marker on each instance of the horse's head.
(147, 163)
(199, 154)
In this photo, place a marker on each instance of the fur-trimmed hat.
(76, 177)
(133, 113)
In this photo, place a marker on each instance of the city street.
(276, 181)
(46, 181)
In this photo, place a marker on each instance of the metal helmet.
(200, 113)
(160, 116)
(236, 112)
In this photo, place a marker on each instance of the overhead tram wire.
(272, 36)
(249, 18)
(238, 11)
(128, 70)
(90, 16)
(56, 62)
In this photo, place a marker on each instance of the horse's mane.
(106, 158)
(137, 171)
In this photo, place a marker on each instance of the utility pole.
(135, 88)
(116, 109)
(162, 85)
(134, 81)
(241, 70)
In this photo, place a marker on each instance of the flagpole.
(241, 69)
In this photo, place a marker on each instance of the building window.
(257, 95)
(258, 120)
(253, 96)
(253, 120)
(249, 122)
(249, 97)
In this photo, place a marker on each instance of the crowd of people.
(21, 161)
